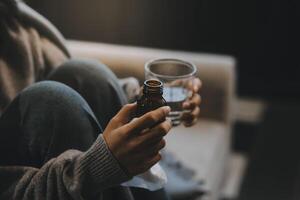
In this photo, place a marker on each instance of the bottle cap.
(153, 86)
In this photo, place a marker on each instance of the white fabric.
(153, 179)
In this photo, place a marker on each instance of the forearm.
(72, 175)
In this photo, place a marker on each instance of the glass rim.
(157, 60)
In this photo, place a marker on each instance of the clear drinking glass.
(175, 75)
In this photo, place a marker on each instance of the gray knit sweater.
(72, 175)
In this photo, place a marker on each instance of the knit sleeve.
(72, 175)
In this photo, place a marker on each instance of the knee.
(49, 96)
(55, 118)
(89, 77)
(87, 69)
(82, 63)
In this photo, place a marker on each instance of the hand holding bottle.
(136, 144)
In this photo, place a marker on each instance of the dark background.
(261, 34)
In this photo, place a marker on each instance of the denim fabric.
(43, 121)
(67, 111)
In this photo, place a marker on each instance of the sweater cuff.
(101, 165)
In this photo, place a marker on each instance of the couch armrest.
(217, 72)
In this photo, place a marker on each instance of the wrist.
(99, 164)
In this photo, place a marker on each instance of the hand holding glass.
(175, 75)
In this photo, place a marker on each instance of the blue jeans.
(66, 111)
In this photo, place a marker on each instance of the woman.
(51, 104)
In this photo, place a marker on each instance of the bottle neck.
(153, 87)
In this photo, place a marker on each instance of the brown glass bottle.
(151, 98)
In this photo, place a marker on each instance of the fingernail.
(195, 88)
(170, 121)
(185, 104)
(167, 109)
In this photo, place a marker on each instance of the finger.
(152, 161)
(190, 123)
(186, 105)
(155, 148)
(156, 133)
(148, 120)
(151, 137)
(189, 85)
(148, 151)
(195, 101)
(125, 114)
(190, 115)
(197, 84)
(190, 119)
(146, 164)
(196, 112)
(192, 103)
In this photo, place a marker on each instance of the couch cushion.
(204, 148)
